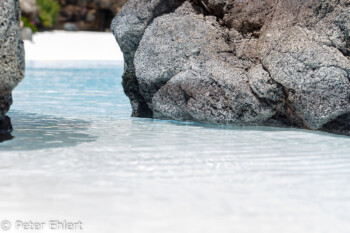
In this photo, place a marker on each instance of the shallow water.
(76, 155)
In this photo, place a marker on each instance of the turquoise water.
(76, 155)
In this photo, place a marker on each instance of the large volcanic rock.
(257, 62)
(11, 53)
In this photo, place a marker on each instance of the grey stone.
(213, 92)
(27, 34)
(259, 62)
(71, 27)
(90, 17)
(128, 28)
(11, 52)
(183, 41)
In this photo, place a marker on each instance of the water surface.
(77, 155)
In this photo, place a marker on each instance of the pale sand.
(73, 46)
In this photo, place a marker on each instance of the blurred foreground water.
(76, 155)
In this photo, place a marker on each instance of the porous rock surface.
(240, 62)
(11, 53)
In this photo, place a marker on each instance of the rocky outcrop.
(11, 54)
(258, 62)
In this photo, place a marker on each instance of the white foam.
(73, 46)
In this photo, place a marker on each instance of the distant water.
(76, 155)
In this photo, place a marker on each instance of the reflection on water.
(34, 131)
(6, 137)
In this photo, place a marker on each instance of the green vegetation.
(49, 10)
(27, 23)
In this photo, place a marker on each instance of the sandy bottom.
(77, 155)
(61, 46)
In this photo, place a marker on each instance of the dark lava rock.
(5, 129)
(258, 62)
(5, 126)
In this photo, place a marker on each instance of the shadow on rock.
(5, 129)
(34, 132)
